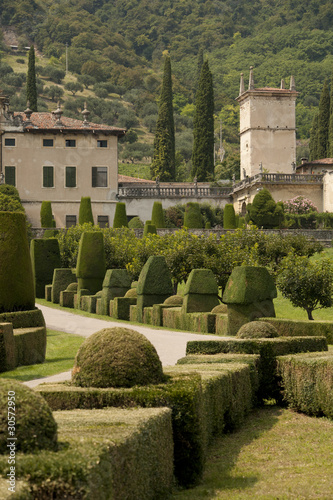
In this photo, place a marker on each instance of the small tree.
(85, 212)
(74, 87)
(323, 122)
(264, 212)
(229, 218)
(307, 284)
(192, 216)
(157, 217)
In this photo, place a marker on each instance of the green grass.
(277, 454)
(60, 353)
(134, 170)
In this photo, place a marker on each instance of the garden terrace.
(171, 190)
(279, 179)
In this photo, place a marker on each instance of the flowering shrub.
(299, 205)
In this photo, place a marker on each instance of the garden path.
(170, 345)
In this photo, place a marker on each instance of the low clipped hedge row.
(307, 382)
(102, 454)
(204, 400)
(298, 328)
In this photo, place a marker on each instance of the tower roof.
(265, 91)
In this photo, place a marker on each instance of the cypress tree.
(313, 145)
(163, 164)
(323, 122)
(85, 212)
(46, 217)
(229, 217)
(157, 217)
(31, 80)
(203, 127)
(192, 216)
(120, 217)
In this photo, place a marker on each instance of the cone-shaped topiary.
(157, 217)
(229, 218)
(85, 212)
(35, 427)
(257, 330)
(135, 223)
(45, 258)
(149, 229)
(192, 216)
(117, 357)
(90, 268)
(120, 217)
(46, 217)
(16, 279)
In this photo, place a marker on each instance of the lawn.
(277, 454)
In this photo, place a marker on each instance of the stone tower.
(267, 128)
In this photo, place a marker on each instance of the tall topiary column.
(90, 268)
(16, 278)
(192, 216)
(45, 257)
(229, 217)
(120, 217)
(85, 213)
(157, 217)
(46, 217)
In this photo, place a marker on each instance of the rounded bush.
(135, 223)
(35, 427)
(220, 309)
(131, 293)
(149, 229)
(72, 287)
(174, 300)
(117, 357)
(257, 330)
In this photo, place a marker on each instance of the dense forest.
(115, 50)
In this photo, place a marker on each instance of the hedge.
(307, 382)
(299, 328)
(24, 319)
(103, 454)
(45, 257)
(85, 211)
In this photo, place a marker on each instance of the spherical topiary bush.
(72, 287)
(257, 330)
(35, 427)
(174, 300)
(131, 293)
(220, 309)
(117, 357)
(135, 223)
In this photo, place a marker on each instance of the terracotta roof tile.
(48, 121)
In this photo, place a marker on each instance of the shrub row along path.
(170, 345)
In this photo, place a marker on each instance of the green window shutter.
(48, 177)
(10, 176)
(70, 176)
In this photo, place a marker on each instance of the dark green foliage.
(306, 381)
(323, 123)
(120, 217)
(85, 212)
(157, 217)
(135, 223)
(30, 345)
(121, 307)
(117, 357)
(10, 204)
(299, 328)
(31, 80)
(23, 319)
(264, 212)
(193, 217)
(330, 128)
(307, 284)
(7, 347)
(61, 279)
(249, 284)
(229, 219)
(35, 427)
(45, 257)
(313, 144)
(16, 278)
(46, 217)
(203, 128)
(155, 278)
(174, 300)
(201, 281)
(257, 330)
(90, 268)
(149, 228)
(163, 164)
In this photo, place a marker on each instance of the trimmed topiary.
(131, 293)
(229, 218)
(220, 309)
(149, 229)
(192, 216)
(256, 330)
(90, 268)
(16, 278)
(72, 287)
(117, 357)
(201, 291)
(46, 217)
(85, 212)
(45, 258)
(35, 427)
(120, 217)
(249, 284)
(174, 300)
(135, 223)
(157, 217)
(9, 190)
